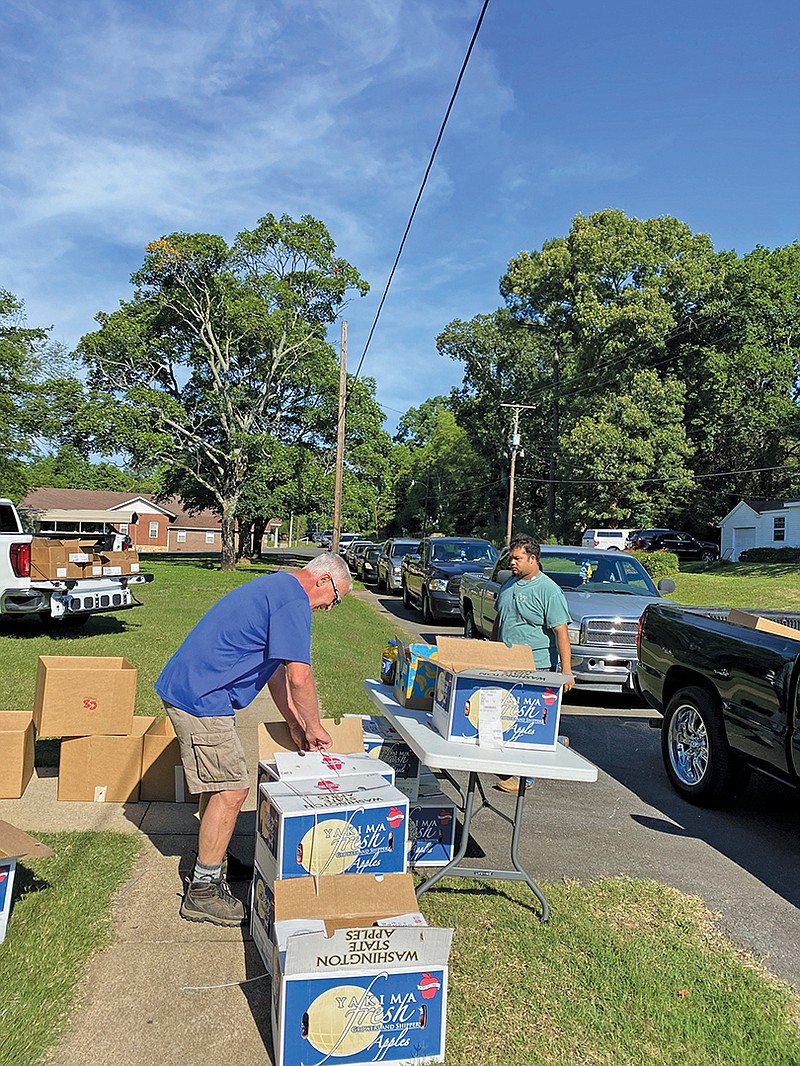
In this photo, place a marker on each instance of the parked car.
(728, 694)
(390, 560)
(325, 539)
(431, 577)
(368, 564)
(353, 552)
(346, 539)
(605, 593)
(614, 539)
(684, 545)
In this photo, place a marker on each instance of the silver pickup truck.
(606, 593)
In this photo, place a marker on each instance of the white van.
(613, 539)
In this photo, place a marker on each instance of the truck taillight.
(21, 559)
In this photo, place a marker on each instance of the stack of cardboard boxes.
(56, 560)
(357, 973)
(108, 755)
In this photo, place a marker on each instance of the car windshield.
(597, 571)
(399, 550)
(464, 551)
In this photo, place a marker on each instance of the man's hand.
(569, 683)
(317, 738)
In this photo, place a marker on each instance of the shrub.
(658, 564)
(770, 555)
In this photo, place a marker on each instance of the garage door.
(743, 537)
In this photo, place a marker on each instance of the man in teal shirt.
(531, 610)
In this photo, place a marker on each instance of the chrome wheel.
(688, 744)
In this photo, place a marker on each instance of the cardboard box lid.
(85, 662)
(346, 899)
(161, 728)
(15, 721)
(457, 654)
(410, 649)
(15, 844)
(766, 625)
(347, 736)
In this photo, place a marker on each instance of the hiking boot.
(211, 901)
(234, 869)
(507, 784)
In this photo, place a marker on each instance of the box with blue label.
(14, 845)
(262, 916)
(382, 742)
(305, 828)
(491, 694)
(359, 977)
(415, 677)
(431, 831)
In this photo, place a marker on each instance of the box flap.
(766, 625)
(347, 736)
(15, 721)
(346, 899)
(416, 650)
(142, 723)
(458, 654)
(14, 843)
(398, 947)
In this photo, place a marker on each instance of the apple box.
(14, 845)
(359, 977)
(431, 831)
(489, 693)
(415, 676)
(310, 828)
(382, 742)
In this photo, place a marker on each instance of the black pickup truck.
(729, 696)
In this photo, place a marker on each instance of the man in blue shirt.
(259, 634)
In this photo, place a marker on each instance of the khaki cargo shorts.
(211, 751)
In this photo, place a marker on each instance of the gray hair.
(333, 564)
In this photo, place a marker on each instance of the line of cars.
(684, 545)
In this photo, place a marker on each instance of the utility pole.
(337, 492)
(514, 451)
(551, 509)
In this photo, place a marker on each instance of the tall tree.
(221, 350)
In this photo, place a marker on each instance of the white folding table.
(435, 751)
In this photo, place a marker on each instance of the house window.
(210, 537)
(153, 530)
(181, 536)
(123, 528)
(779, 528)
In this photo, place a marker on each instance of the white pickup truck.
(69, 599)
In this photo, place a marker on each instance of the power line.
(661, 480)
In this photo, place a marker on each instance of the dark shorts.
(211, 751)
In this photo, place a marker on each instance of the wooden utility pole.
(551, 510)
(337, 492)
(514, 449)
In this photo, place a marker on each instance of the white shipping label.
(61, 571)
(490, 726)
(134, 568)
(111, 571)
(415, 918)
(78, 557)
(100, 793)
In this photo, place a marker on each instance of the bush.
(658, 564)
(770, 555)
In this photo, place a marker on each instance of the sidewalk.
(139, 1003)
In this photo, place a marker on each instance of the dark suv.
(431, 577)
(684, 545)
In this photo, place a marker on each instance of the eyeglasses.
(337, 599)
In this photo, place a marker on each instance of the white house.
(760, 524)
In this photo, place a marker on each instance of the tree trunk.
(228, 561)
(244, 546)
(259, 525)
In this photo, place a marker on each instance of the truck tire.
(470, 631)
(407, 597)
(428, 617)
(381, 583)
(697, 756)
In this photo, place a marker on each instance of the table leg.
(445, 871)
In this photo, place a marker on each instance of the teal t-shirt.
(528, 610)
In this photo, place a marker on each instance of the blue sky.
(123, 121)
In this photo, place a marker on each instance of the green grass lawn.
(626, 971)
(60, 919)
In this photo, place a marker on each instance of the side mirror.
(503, 576)
(413, 558)
(666, 584)
(488, 572)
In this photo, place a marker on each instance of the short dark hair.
(529, 544)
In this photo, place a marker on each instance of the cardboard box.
(383, 742)
(103, 769)
(765, 625)
(431, 831)
(483, 680)
(14, 845)
(79, 556)
(48, 560)
(415, 677)
(347, 737)
(79, 695)
(348, 990)
(318, 766)
(17, 742)
(306, 829)
(162, 771)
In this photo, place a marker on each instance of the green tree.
(220, 352)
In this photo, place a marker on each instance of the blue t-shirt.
(238, 645)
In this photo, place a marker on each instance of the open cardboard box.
(103, 769)
(347, 986)
(77, 695)
(14, 845)
(17, 742)
(162, 770)
(415, 675)
(474, 675)
(347, 737)
(765, 625)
